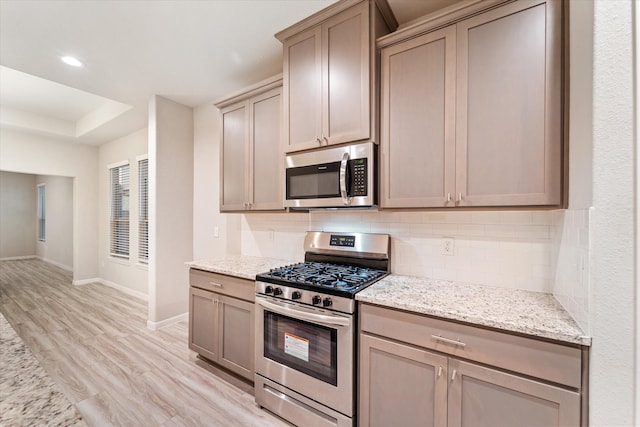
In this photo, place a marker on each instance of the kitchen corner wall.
(571, 256)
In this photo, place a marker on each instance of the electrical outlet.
(216, 231)
(448, 247)
(272, 234)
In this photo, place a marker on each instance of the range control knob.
(296, 295)
(316, 300)
(268, 289)
(327, 302)
(277, 291)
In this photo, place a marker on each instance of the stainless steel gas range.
(306, 326)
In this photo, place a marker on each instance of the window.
(42, 229)
(143, 210)
(119, 218)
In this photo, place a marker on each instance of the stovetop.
(336, 267)
(330, 278)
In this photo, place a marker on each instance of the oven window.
(311, 182)
(302, 346)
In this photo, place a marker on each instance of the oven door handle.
(303, 315)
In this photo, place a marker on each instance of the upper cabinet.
(250, 149)
(330, 77)
(471, 113)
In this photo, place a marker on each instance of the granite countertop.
(245, 267)
(530, 313)
(28, 396)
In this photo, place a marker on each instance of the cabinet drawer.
(222, 284)
(549, 361)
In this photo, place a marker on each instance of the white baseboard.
(124, 289)
(86, 281)
(15, 258)
(120, 288)
(56, 263)
(161, 324)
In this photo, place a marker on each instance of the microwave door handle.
(303, 315)
(343, 179)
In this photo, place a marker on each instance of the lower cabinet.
(484, 397)
(221, 328)
(406, 384)
(401, 385)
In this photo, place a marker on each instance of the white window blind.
(119, 179)
(42, 229)
(143, 210)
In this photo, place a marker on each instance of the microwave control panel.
(358, 177)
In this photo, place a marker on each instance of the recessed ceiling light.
(70, 60)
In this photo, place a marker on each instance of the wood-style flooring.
(93, 342)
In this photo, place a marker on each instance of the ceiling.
(191, 51)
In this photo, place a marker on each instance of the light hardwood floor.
(93, 342)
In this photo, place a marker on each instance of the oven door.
(308, 350)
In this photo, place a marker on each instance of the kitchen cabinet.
(430, 372)
(330, 74)
(251, 151)
(221, 320)
(471, 114)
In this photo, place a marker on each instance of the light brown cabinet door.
(509, 130)
(418, 122)
(252, 163)
(235, 157)
(327, 82)
(266, 191)
(483, 397)
(401, 385)
(236, 340)
(303, 90)
(203, 323)
(345, 79)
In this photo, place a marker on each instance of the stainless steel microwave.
(337, 177)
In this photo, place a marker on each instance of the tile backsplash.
(571, 262)
(507, 249)
(545, 251)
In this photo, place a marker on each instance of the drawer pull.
(448, 341)
(217, 285)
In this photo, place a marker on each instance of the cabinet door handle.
(326, 140)
(439, 371)
(448, 197)
(448, 341)
(453, 376)
(459, 197)
(217, 285)
(318, 140)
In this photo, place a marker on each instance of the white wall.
(58, 245)
(572, 240)
(128, 275)
(18, 201)
(38, 155)
(613, 291)
(171, 230)
(206, 175)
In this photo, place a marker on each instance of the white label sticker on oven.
(296, 346)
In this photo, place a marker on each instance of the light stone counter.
(535, 314)
(28, 396)
(245, 267)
